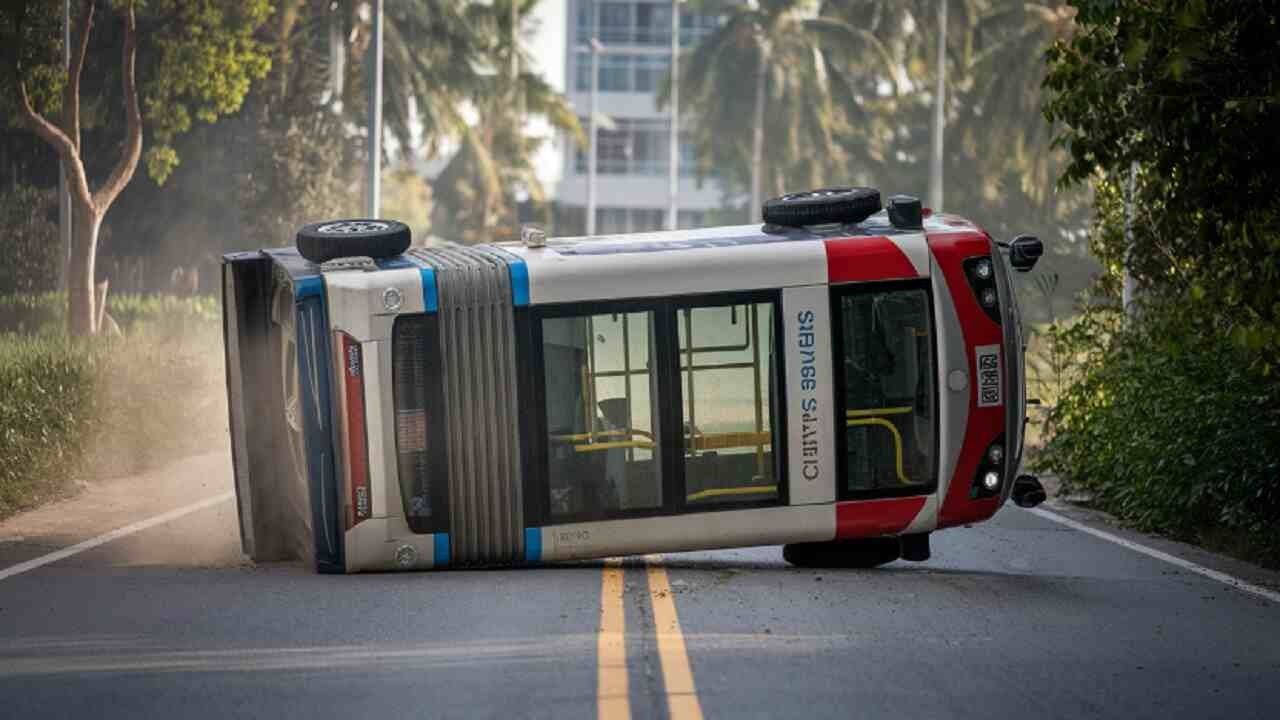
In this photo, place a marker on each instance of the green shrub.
(109, 406)
(166, 314)
(1172, 426)
(29, 244)
(46, 412)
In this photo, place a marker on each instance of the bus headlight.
(981, 274)
(988, 481)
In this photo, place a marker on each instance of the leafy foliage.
(29, 245)
(106, 406)
(1170, 427)
(1187, 92)
(196, 61)
(1172, 414)
(45, 413)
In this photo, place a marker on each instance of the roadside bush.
(108, 406)
(1172, 425)
(166, 314)
(29, 243)
(46, 412)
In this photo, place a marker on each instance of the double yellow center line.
(612, 694)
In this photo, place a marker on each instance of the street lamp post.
(939, 113)
(592, 123)
(373, 194)
(673, 167)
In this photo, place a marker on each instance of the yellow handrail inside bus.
(897, 440)
(716, 492)
(616, 445)
(604, 433)
(879, 411)
(721, 441)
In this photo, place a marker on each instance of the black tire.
(323, 241)
(862, 554)
(825, 205)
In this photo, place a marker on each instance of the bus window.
(419, 401)
(886, 349)
(727, 389)
(602, 448)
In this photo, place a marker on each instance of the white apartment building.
(632, 181)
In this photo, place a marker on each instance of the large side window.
(727, 387)
(600, 388)
(885, 362)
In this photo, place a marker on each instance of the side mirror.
(1024, 251)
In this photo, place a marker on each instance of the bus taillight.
(355, 450)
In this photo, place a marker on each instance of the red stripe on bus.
(869, 518)
(354, 441)
(951, 249)
(860, 259)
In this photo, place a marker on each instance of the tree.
(799, 63)
(202, 61)
(478, 193)
(1189, 91)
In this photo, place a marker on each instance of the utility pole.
(373, 192)
(673, 168)
(64, 195)
(1129, 288)
(939, 112)
(596, 48)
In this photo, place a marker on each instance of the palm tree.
(477, 193)
(799, 62)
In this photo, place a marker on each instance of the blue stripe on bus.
(519, 282)
(305, 287)
(533, 545)
(441, 543)
(519, 273)
(430, 295)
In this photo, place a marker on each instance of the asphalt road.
(1020, 617)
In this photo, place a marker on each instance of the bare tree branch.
(71, 93)
(123, 171)
(45, 130)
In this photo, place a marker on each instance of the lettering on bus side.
(806, 345)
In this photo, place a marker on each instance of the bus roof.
(724, 259)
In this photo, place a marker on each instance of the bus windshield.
(885, 337)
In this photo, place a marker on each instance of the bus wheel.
(324, 241)
(819, 207)
(863, 553)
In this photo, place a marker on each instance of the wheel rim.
(350, 227)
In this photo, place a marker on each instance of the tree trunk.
(87, 207)
(82, 311)
(757, 134)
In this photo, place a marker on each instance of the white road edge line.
(114, 535)
(1210, 573)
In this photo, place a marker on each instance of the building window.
(602, 449)
(647, 23)
(727, 371)
(635, 147)
(620, 72)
